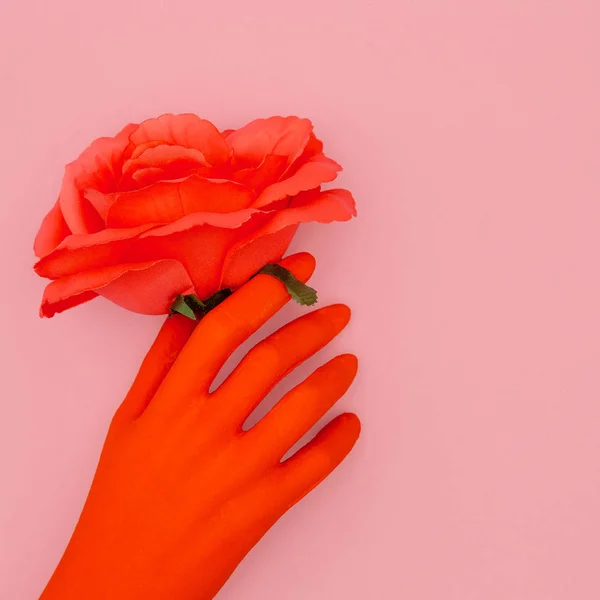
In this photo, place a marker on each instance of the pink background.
(470, 135)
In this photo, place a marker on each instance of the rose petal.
(201, 250)
(313, 147)
(97, 167)
(78, 253)
(137, 151)
(168, 201)
(321, 206)
(171, 158)
(284, 136)
(147, 288)
(310, 175)
(52, 232)
(221, 220)
(111, 247)
(186, 130)
(268, 172)
(100, 202)
(201, 242)
(252, 257)
(162, 156)
(309, 207)
(151, 290)
(50, 307)
(145, 177)
(313, 206)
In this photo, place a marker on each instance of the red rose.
(173, 206)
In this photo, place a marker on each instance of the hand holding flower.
(182, 492)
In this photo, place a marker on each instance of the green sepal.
(192, 307)
(181, 307)
(216, 299)
(195, 303)
(300, 292)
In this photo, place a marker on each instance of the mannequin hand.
(182, 492)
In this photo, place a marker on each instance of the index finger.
(227, 326)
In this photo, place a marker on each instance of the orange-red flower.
(173, 206)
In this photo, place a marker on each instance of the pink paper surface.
(470, 136)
